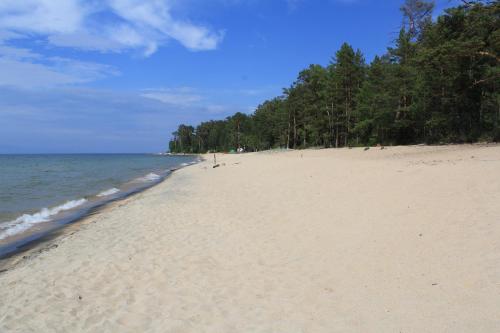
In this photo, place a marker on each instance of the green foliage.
(438, 83)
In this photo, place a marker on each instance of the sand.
(405, 239)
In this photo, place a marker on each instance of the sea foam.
(108, 192)
(150, 177)
(26, 221)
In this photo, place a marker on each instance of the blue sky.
(120, 75)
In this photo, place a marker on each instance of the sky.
(116, 76)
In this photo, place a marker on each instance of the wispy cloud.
(184, 96)
(106, 26)
(92, 120)
(22, 67)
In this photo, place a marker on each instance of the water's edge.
(36, 243)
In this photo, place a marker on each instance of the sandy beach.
(404, 239)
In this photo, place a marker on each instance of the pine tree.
(348, 68)
(376, 103)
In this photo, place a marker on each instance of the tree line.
(438, 83)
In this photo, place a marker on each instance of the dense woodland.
(438, 83)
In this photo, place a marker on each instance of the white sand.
(405, 239)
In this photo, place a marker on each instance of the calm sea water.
(37, 189)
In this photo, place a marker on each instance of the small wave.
(150, 177)
(108, 192)
(184, 164)
(26, 221)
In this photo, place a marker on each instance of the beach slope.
(404, 239)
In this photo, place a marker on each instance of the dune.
(404, 239)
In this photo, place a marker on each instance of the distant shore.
(349, 240)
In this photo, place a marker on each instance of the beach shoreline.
(39, 242)
(385, 240)
(34, 239)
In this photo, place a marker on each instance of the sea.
(40, 194)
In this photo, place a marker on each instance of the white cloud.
(214, 101)
(26, 74)
(17, 53)
(8, 35)
(85, 41)
(104, 26)
(22, 67)
(90, 120)
(154, 19)
(128, 24)
(41, 16)
(174, 96)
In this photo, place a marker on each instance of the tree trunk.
(305, 136)
(294, 132)
(337, 136)
(288, 132)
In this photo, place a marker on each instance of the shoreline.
(49, 239)
(32, 243)
(399, 239)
